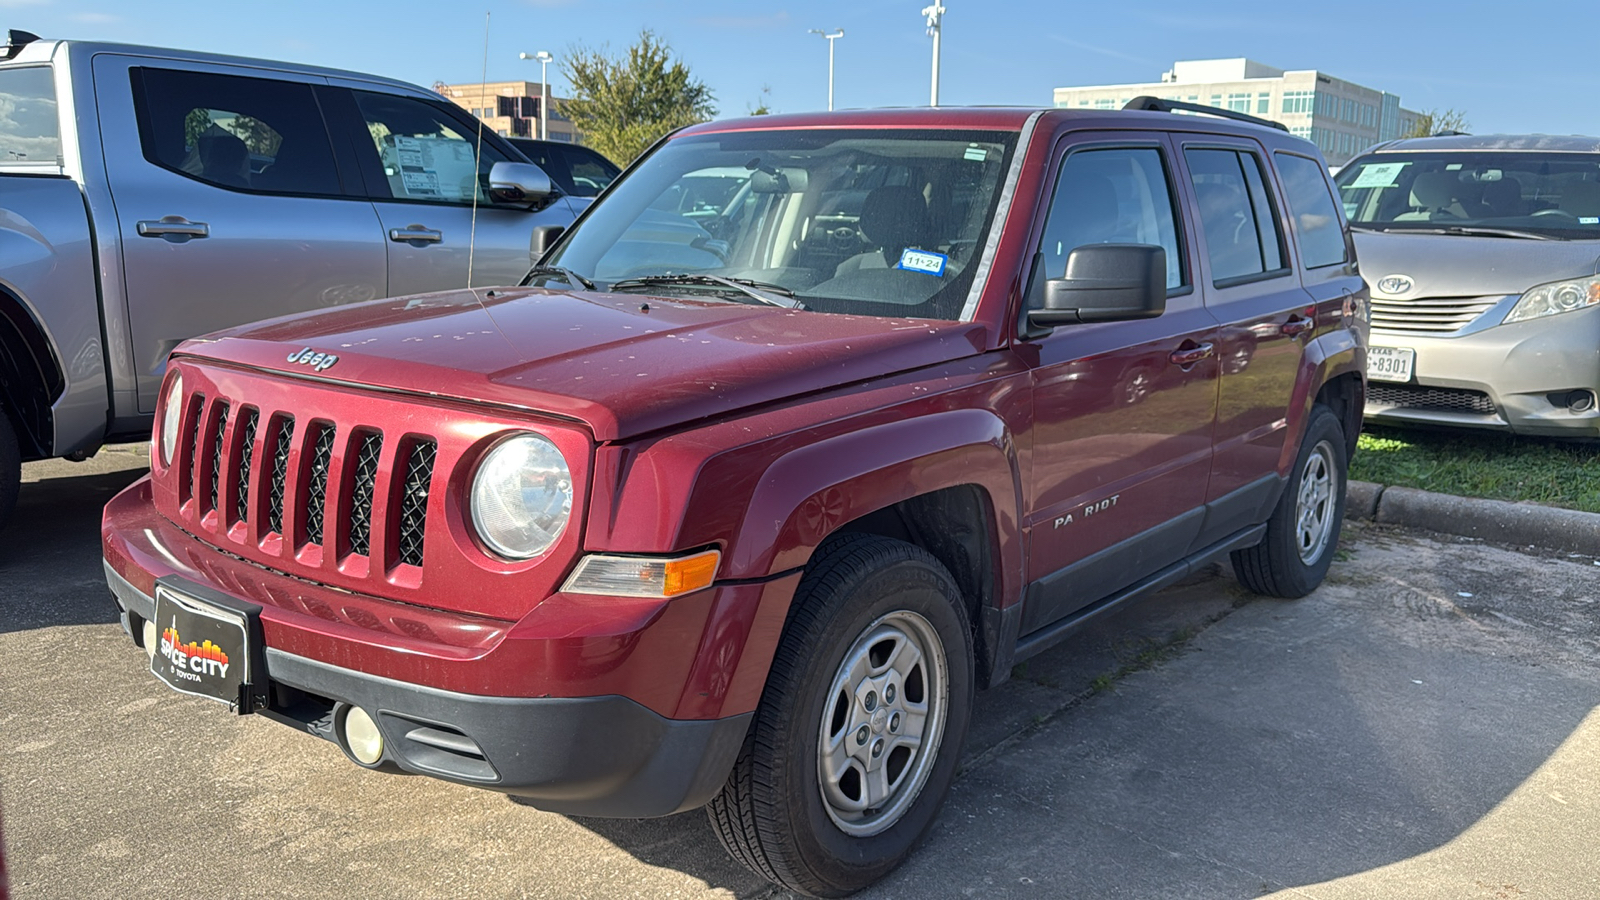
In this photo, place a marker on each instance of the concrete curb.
(1520, 524)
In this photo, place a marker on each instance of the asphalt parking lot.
(1425, 725)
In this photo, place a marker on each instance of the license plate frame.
(209, 645)
(1391, 364)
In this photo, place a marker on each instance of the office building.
(1341, 117)
(511, 108)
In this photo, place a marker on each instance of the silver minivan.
(1483, 256)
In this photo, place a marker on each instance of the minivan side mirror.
(521, 184)
(1106, 283)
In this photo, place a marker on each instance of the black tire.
(772, 814)
(1289, 562)
(10, 468)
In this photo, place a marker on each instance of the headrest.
(895, 217)
(1433, 190)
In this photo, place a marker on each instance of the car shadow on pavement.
(683, 843)
(50, 564)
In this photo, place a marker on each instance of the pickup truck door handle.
(176, 226)
(1188, 356)
(1297, 325)
(415, 234)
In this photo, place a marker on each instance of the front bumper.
(596, 754)
(1515, 378)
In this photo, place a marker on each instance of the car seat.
(1504, 197)
(1433, 196)
(893, 217)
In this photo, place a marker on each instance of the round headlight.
(521, 496)
(169, 419)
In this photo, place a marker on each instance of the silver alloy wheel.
(1314, 507)
(883, 723)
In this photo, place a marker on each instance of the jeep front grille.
(1437, 399)
(1438, 315)
(218, 468)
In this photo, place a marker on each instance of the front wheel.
(860, 727)
(10, 468)
(1294, 556)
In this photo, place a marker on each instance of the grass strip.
(1482, 464)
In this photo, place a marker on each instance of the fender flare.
(1326, 357)
(809, 493)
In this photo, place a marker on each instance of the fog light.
(149, 633)
(361, 736)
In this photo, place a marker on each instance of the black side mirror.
(1106, 283)
(544, 237)
(521, 184)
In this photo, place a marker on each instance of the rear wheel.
(10, 468)
(859, 730)
(1301, 536)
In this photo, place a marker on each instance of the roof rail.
(1450, 132)
(1156, 104)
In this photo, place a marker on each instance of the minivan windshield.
(886, 223)
(1548, 195)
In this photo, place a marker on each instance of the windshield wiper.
(1466, 230)
(757, 290)
(567, 275)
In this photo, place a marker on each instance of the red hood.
(598, 358)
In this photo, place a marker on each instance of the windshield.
(1552, 195)
(844, 221)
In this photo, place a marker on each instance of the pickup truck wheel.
(10, 468)
(1304, 529)
(860, 727)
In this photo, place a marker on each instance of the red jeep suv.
(810, 428)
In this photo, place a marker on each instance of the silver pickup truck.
(148, 195)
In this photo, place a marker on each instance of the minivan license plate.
(1390, 363)
(201, 649)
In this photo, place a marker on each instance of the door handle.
(415, 234)
(175, 226)
(1297, 325)
(1191, 355)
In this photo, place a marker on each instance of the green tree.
(764, 108)
(1433, 121)
(623, 104)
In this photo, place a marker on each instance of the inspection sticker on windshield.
(1378, 175)
(922, 261)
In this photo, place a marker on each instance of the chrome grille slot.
(279, 475)
(316, 501)
(413, 519)
(220, 427)
(1439, 315)
(248, 418)
(365, 478)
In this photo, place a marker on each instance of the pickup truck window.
(1242, 233)
(30, 129)
(425, 154)
(244, 133)
(1118, 195)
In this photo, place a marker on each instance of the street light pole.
(544, 58)
(837, 33)
(935, 14)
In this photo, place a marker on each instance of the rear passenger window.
(1316, 219)
(246, 133)
(1242, 234)
(590, 173)
(1113, 196)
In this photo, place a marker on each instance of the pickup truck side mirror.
(1106, 283)
(521, 184)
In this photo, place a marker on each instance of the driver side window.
(425, 154)
(1111, 196)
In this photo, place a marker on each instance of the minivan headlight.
(169, 419)
(521, 496)
(1556, 297)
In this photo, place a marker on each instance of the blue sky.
(1530, 66)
